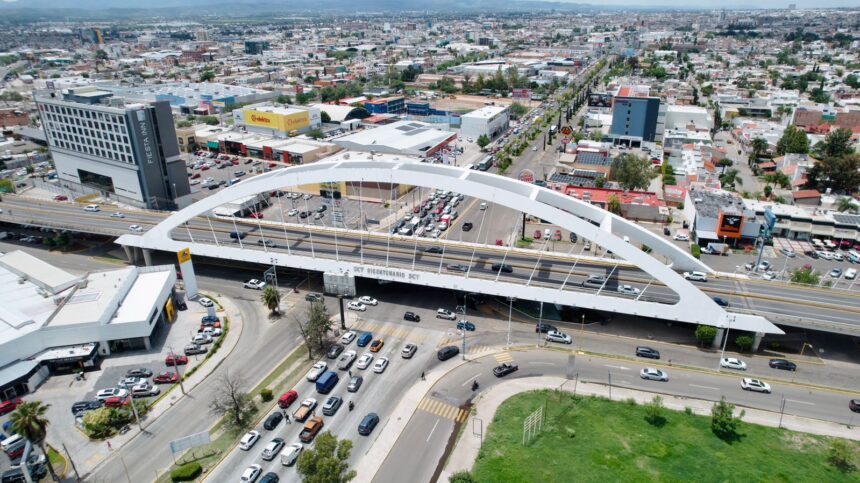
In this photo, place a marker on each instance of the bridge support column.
(757, 341)
(147, 257)
(104, 348)
(129, 253)
(718, 340)
(147, 344)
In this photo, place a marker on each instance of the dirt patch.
(800, 441)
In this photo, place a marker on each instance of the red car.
(256, 214)
(9, 406)
(204, 168)
(116, 401)
(234, 162)
(249, 161)
(557, 235)
(272, 165)
(537, 235)
(287, 398)
(165, 378)
(176, 360)
(61, 198)
(195, 175)
(417, 209)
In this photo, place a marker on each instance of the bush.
(706, 334)
(654, 412)
(696, 251)
(839, 455)
(744, 342)
(266, 395)
(186, 472)
(462, 477)
(724, 424)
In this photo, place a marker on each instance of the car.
(433, 249)
(783, 364)
(456, 267)
(81, 407)
(502, 267)
(380, 365)
(128, 382)
(291, 454)
(347, 337)
(627, 290)
(377, 345)
(647, 352)
(334, 351)
(287, 398)
(368, 300)
(346, 360)
(354, 383)
(313, 297)
(467, 226)
(544, 328)
(165, 377)
(482, 207)
(364, 339)
(107, 393)
(653, 374)
(408, 351)
(557, 336)
(447, 352)
(239, 174)
(364, 361)
(254, 284)
(733, 363)
(194, 349)
(201, 339)
(332, 404)
(412, 317)
(175, 360)
(318, 216)
(206, 302)
(595, 279)
(854, 405)
(271, 450)
(756, 385)
(445, 314)
(251, 474)
(316, 371)
(249, 440)
(138, 372)
(720, 301)
(681, 237)
(764, 266)
(117, 214)
(293, 212)
(210, 321)
(466, 325)
(696, 276)
(356, 306)
(505, 369)
(61, 198)
(116, 401)
(835, 273)
(365, 427)
(135, 228)
(788, 252)
(307, 197)
(144, 390)
(273, 420)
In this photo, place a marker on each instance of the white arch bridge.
(537, 275)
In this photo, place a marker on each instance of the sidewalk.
(466, 450)
(90, 455)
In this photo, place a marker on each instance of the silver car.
(653, 374)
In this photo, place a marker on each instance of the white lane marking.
(705, 387)
(617, 367)
(431, 431)
(542, 363)
(800, 402)
(473, 378)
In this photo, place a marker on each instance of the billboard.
(598, 99)
(729, 225)
(521, 94)
(278, 122)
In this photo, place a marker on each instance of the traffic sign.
(565, 141)
(567, 130)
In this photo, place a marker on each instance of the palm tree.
(731, 178)
(846, 203)
(778, 178)
(29, 421)
(759, 146)
(271, 298)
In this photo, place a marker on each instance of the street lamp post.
(725, 341)
(510, 314)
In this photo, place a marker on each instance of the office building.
(489, 121)
(200, 98)
(256, 47)
(637, 117)
(386, 105)
(123, 151)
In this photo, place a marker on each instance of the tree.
(30, 422)
(836, 144)
(840, 455)
(596, 136)
(326, 461)
(101, 55)
(793, 140)
(284, 99)
(206, 76)
(723, 421)
(846, 204)
(518, 110)
(229, 400)
(271, 298)
(852, 81)
(805, 275)
(778, 178)
(462, 477)
(613, 205)
(483, 141)
(324, 117)
(6, 186)
(654, 412)
(315, 134)
(759, 146)
(631, 171)
(315, 330)
(840, 174)
(706, 334)
(725, 163)
(744, 342)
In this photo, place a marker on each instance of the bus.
(486, 163)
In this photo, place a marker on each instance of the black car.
(367, 424)
(334, 351)
(505, 369)
(303, 214)
(412, 317)
(467, 226)
(434, 250)
(647, 352)
(721, 301)
(447, 352)
(321, 209)
(214, 186)
(273, 420)
(811, 253)
(138, 372)
(502, 267)
(854, 405)
(238, 235)
(83, 406)
(782, 364)
(16, 475)
(573, 237)
(667, 231)
(313, 297)
(544, 328)
(270, 478)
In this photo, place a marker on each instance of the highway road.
(826, 309)
(420, 448)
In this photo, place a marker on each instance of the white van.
(853, 257)
(92, 208)
(850, 274)
(12, 443)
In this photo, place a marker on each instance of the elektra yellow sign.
(280, 122)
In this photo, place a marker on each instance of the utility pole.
(176, 370)
(74, 468)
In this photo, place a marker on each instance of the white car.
(356, 306)
(251, 474)
(293, 212)
(206, 302)
(290, 454)
(364, 361)
(117, 214)
(135, 228)
(368, 300)
(755, 385)
(696, 276)
(128, 382)
(628, 290)
(380, 365)
(653, 374)
(482, 207)
(112, 392)
(316, 371)
(307, 197)
(769, 275)
(556, 336)
(681, 237)
(201, 339)
(347, 337)
(255, 284)
(271, 449)
(732, 363)
(249, 440)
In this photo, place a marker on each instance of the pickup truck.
(312, 427)
(305, 410)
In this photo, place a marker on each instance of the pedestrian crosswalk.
(477, 349)
(504, 357)
(393, 331)
(442, 409)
